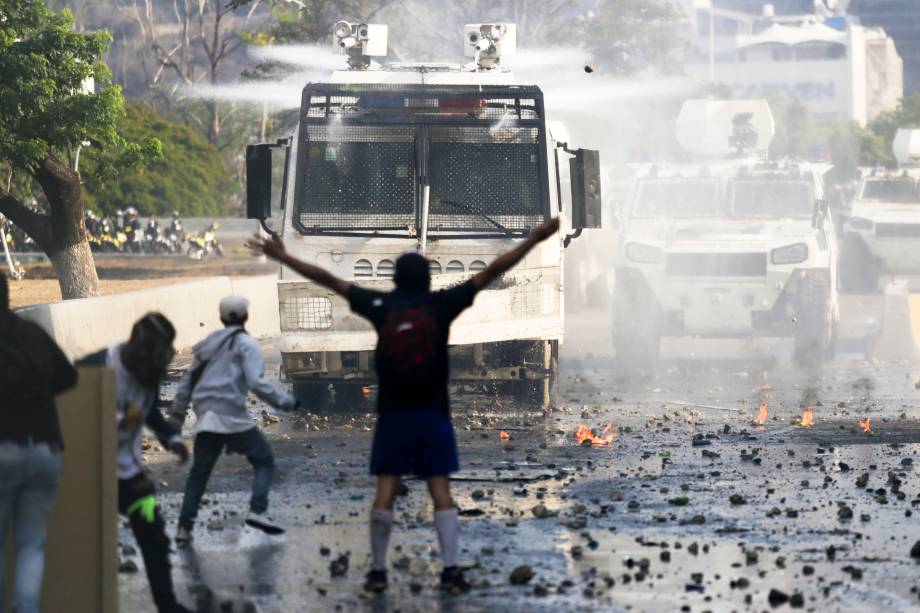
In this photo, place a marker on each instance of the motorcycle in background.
(205, 243)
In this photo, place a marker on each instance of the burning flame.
(503, 436)
(366, 391)
(864, 424)
(807, 420)
(584, 433)
(761, 418)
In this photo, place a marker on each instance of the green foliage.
(886, 125)
(630, 35)
(190, 175)
(799, 134)
(46, 108)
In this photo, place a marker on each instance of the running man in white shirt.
(227, 366)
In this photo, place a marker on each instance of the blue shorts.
(419, 441)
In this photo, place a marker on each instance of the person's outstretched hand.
(547, 229)
(271, 247)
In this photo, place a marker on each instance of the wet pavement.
(691, 506)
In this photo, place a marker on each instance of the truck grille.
(716, 264)
(898, 230)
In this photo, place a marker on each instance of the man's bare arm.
(274, 249)
(507, 261)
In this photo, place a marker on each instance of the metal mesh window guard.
(358, 156)
(358, 177)
(309, 313)
(479, 172)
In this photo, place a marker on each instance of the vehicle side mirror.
(259, 181)
(585, 175)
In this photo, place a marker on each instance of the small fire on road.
(503, 436)
(807, 420)
(864, 424)
(586, 435)
(761, 418)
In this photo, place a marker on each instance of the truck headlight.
(860, 223)
(643, 254)
(790, 254)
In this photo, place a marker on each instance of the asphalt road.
(824, 515)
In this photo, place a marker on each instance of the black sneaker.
(453, 582)
(376, 581)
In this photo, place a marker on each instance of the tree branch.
(34, 224)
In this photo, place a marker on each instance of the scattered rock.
(737, 499)
(521, 575)
(128, 567)
(541, 512)
(777, 598)
(855, 573)
(339, 566)
(915, 551)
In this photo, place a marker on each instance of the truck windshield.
(483, 178)
(678, 198)
(891, 190)
(771, 199)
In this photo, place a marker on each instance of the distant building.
(901, 20)
(839, 69)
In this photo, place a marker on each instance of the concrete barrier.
(89, 324)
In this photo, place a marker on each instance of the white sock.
(381, 527)
(447, 523)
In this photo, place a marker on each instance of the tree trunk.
(213, 122)
(67, 246)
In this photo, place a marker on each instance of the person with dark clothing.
(33, 370)
(414, 431)
(140, 365)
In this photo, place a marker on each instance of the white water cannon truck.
(457, 162)
(730, 246)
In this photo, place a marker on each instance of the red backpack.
(407, 349)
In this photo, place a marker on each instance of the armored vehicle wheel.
(531, 393)
(311, 395)
(857, 268)
(814, 330)
(349, 396)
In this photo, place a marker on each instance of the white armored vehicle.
(882, 233)
(455, 161)
(728, 247)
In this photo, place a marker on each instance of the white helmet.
(234, 309)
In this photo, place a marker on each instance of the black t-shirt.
(35, 419)
(395, 394)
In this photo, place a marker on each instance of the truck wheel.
(349, 396)
(857, 268)
(312, 396)
(636, 331)
(814, 327)
(531, 393)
